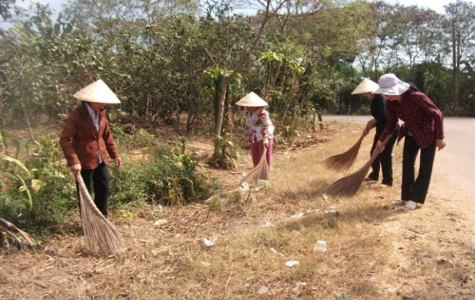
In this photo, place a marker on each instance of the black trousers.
(415, 189)
(97, 180)
(384, 160)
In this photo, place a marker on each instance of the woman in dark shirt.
(423, 130)
(378, 111)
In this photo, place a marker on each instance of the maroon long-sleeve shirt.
(81, 141)
(422, 118)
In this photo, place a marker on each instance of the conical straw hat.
(252, 100)
(366, 86)
(97, 92)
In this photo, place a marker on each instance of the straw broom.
(345, 160)
(349, 185)
(100, 235)
(10, 230)
(260, 171)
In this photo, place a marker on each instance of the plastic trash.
(262, 290)
(267, 224)
(331, 212)
(159, 208)
(298, 215)
(320, 246)
(262, 185)
(292, 263)
(160, 222)
(208, 242)
(244, 186)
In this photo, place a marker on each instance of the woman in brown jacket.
(87, 141)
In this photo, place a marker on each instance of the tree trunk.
(454, 64)
(222, 99)
(28, 124)
(239, 66)
(25, 113)
(320, 121)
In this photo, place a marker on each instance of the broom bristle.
(10, 229)
(99, 233)
(345, 160)
(260, 171)
(350, 184)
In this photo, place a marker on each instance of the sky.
(437, 5)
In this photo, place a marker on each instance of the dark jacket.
(81, 141)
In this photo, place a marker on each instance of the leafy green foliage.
(169, 177)
(37, 193)
(225, 154)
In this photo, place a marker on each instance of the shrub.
(169, 177)
(37, 193)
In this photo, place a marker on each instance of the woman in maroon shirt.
(423, 130)
(87, 141)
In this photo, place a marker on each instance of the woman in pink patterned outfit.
(259, 128)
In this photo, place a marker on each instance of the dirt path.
(455, 165)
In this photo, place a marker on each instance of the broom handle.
(264, 153)
(375, 152)
(79, 178)
(80, 181)
(85, 196)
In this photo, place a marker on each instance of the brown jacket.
(81, 141)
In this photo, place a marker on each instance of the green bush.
(129, 137)
(169, 177)
(37, 193)
(130, 184)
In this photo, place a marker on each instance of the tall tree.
(421, 35)
(6, 8)
(37, 60)
(107, 18)
(375, 38)
(460, 30)
(233, 67)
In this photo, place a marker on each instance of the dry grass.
(374, 250)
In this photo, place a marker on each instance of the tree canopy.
(169, 58)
